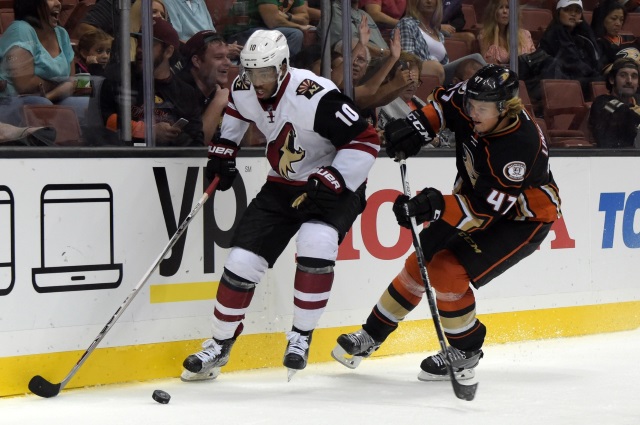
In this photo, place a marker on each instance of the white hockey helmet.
(266, 48)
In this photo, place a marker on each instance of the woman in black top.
(608, 19)
(572, 44)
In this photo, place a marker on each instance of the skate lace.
(298, 344)
(454, 354)
(362, 340)
(211, 349)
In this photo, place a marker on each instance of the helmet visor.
(262, 76)
(479, 109)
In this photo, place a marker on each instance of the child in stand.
(94, 51)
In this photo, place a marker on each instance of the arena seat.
(632, 24)
(6, 17)
(598, 88)
(62, 118)
(565, 112)
(456, 49)
(536, 22)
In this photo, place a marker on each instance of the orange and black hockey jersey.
(503, 174)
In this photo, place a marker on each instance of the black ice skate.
(354, 347)
(297, 353)
(206, 364)
(433, 368)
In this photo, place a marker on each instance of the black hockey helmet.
(492, 83)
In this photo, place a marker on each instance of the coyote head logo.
(282, 152)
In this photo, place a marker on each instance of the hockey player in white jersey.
(320, 150)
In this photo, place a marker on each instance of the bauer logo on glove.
(329, 177)
(222, 151)
(222, 163)
(323, 191)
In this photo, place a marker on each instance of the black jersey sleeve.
(338, 119)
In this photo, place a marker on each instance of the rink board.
(76, 235)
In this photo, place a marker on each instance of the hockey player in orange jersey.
(502, 207)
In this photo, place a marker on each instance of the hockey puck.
(161, 397)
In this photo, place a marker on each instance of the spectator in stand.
(173, 97)
(572, 45)
(453, 22)
(26, 136)
(465, 70)
(385, 13)
(494, 36)
(377, 46)
(608, 19)
(105, 15)
(614, 118)
(94, 51)
(311, 58)
(407, 101)
(37, 57)
(313, 8)
(373, 89)
(421, 35)
(189, 17)
(206, 68)
(158, 10)
(290, 17)
(398, 108)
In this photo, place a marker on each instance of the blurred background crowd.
(61, 62)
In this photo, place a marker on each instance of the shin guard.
(401, 297)
(232, 300)
(312, 287)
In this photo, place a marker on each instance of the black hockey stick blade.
(43, 388)
(464, 392)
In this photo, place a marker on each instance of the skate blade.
(462, 375)
(290, 373)
(210, 375)
(346, 359)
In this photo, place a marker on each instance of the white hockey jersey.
(308, 124)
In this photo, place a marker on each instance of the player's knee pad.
(410, 277)
(447, 276)
(317, 240)
(246, 265)
(236, 282)
(315, 265)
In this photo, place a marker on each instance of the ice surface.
(582, 381)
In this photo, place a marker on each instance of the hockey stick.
(43, 388)
(463, 392)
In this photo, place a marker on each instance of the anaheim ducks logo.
(629, 52)
(467, 159)
(308, 88)
(282, 152)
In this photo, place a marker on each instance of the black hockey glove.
(222, 161)
(428, 205)
(323, 190)
(407, 135)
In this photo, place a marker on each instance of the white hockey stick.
(43, 388)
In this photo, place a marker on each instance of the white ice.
(582, 381)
